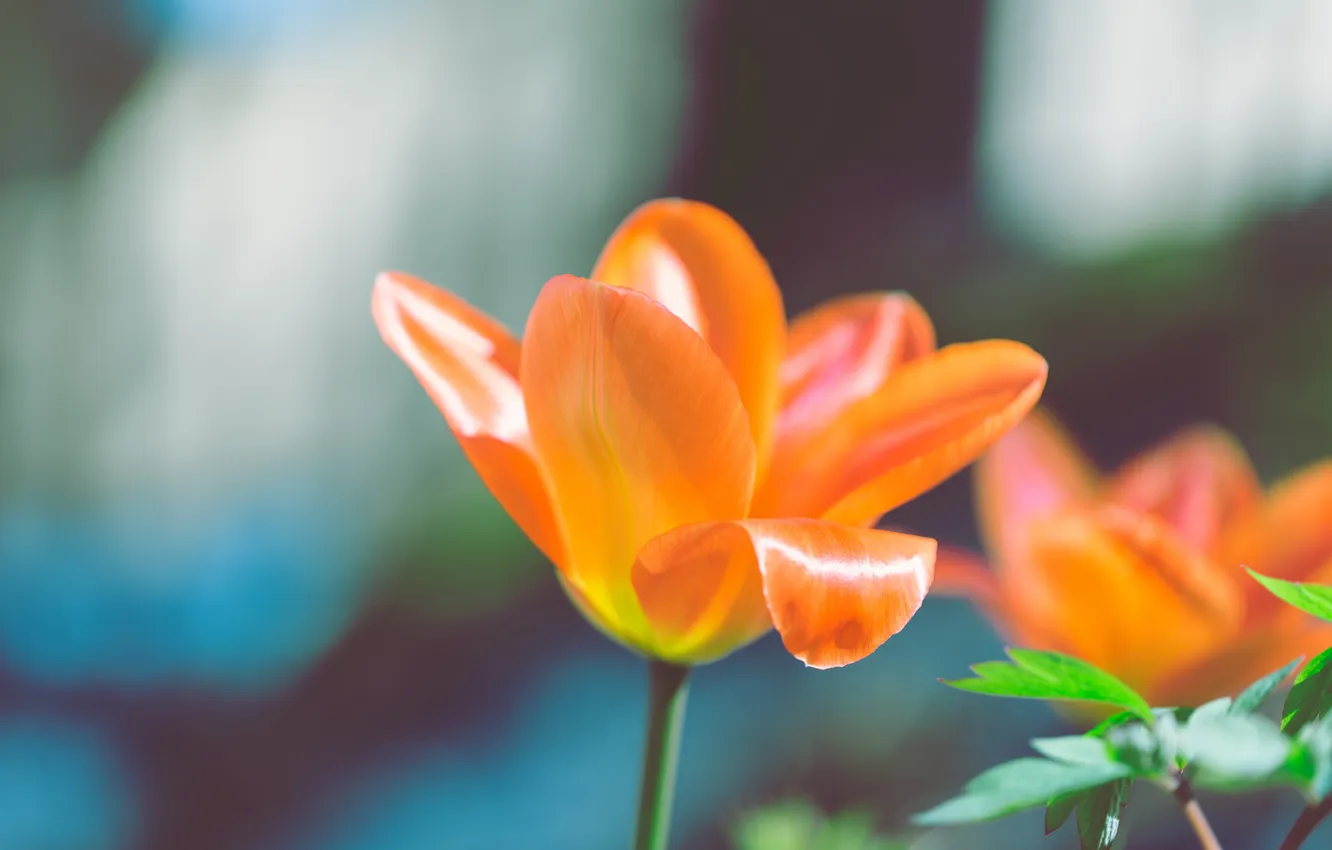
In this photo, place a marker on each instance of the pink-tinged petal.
(1200, 482)
(1034, 470)
(468, 364)
(932, 417)
(638, 429)
(700, 263)
(842, 352)
(1124, 593)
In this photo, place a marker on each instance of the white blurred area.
(187, 317)
(1107, 123)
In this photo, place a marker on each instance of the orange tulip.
(697, 475)
(1141, 573)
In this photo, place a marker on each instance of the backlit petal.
(842, 352)
(1033, 471)
(1200, 482)
(928, 420)
(1124, 593)
(835, 592)
(638, 429)
(700, 263)
(468, 364)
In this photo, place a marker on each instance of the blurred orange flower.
(1141, 573)
(697, 475)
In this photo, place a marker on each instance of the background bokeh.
(252, 597)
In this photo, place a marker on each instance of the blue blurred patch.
(242, 599)
(61, 786)
(236, 23)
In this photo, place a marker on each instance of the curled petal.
(1032, 471)
(1200, 482)
(468, 364)
(928, 420)
(835, 593)
(638, 430)
(842, 352)
(1125, 593)
(699, 263)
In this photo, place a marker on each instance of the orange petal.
(1124, 593)
(1200, 482)
(468, 364)
(842, 352)
(1033, 471)
(701, 589)
(700, 263)
(928, 420)
(1255, 653)
(835, 593)
(638, 429)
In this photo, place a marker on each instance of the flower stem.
(1184, 795)
(668, 688)
(1306, 824)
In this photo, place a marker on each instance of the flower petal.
(1200, 482)
(637, 427)
(1033, 471)
(701, 590)
(468, 364)
(1254, 653)
(842, 352)
(835, 593)
(700, 263)
(1124, 593)
(928, 420)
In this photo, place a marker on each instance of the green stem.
(668, 688)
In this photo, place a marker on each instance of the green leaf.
(1234, 751)
(1118, 719)
(1073, 749)
(1138, 747)
(1100, 813)
(1310, 696)
(798, 825)
(1057, 811)
(1050, 675)
(1256, 694)
(1016, 785)
(1314, 599)
(1316, 738)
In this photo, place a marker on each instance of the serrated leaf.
(1311, 695)
(1058, 810)
(1100, 812)
(1073, 749)
(1234, 751)
(1256, 694)
(1051, 676)
(1313, 599)
(1016, 785)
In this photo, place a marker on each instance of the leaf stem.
(1306, 823)
(667, 690)
(1194, 813)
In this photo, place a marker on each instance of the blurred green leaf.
(1100, 812)
(1052, 676)
(1118, 719)
(799, 825)
(1234, 751)
(1313, 599)
(1020, 784)
(1256, 694)
(1058, 810)
(1310, 696)
(1316, 738)
(1137, 746)
(1073, 749)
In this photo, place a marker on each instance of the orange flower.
(1140, 573)
(696, 476)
